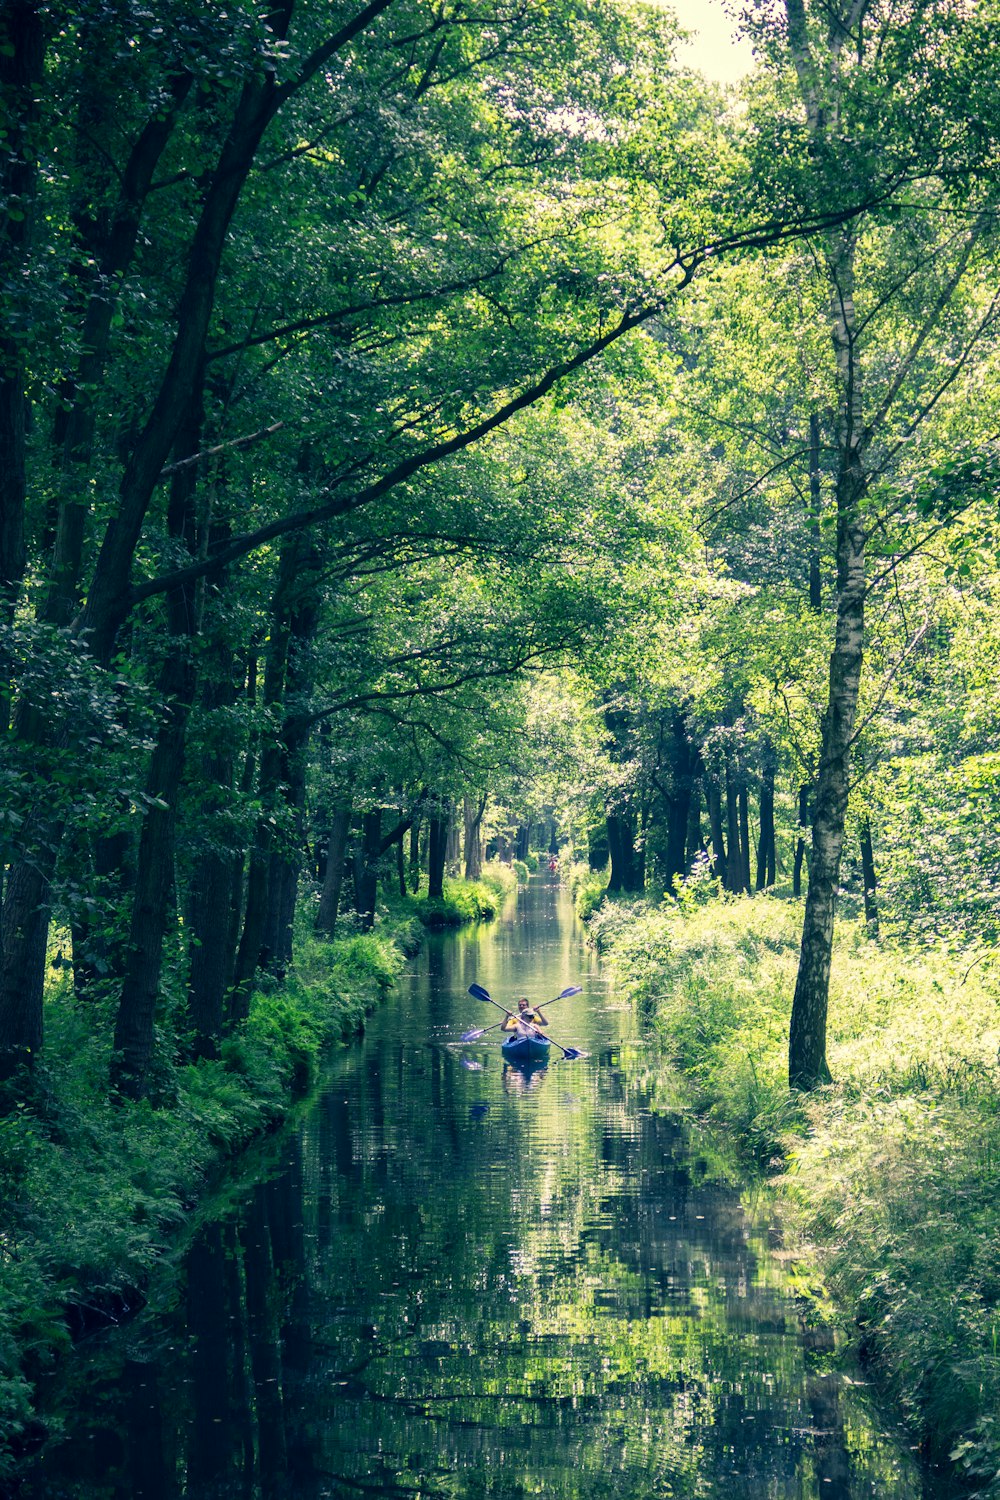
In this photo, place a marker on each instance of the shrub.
(891, 1172)
(91, 1191)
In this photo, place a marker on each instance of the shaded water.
(459, 1279)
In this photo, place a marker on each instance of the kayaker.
(527, 1021)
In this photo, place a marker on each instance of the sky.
(713, 51)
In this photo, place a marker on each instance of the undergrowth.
(464, 900)
(93, 1190)
(891, 1173)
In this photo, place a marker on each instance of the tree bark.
(734, 865)
(415, 856)
(800, 843)
(765, 844)
(868, 875)
(437, 846)
(695, 839)
(151, 902)
(473, 843)
(744, 806)
(333, 879)
(719, 858)
(807, 1064)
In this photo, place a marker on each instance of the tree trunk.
(765, 844)
(437, 845)
(719, 857)
(800, 843)
(151, 902)
(695, 840)
(473, 843)
(415, 856)
(293, 619)
(366, 868)
(622, 850)
(807, 1064)
(744, 806)
(333, 880)
(734, 864)
(815, 501)
(216, 876)
(868, 874)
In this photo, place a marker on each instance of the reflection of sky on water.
(488, 1282)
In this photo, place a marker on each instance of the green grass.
(464, 900)
(890, 1174)
(93, 1192)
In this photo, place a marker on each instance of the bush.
(500, 878)
(521, 870)
(91, 1191)
(463, 901)
(891, 1172)
(587, 887)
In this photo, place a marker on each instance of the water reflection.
(497, 1282)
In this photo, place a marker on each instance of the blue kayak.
(526, 1048)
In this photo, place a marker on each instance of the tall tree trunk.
(333, 879)
(293, 618)
(214, 888)
(473, 811)
(415, 856)
(807, 1064)
(621, 845)
(800, 843)
(815, 502)
(366, 869)
(134, 1025)
(437, 846)
(694, 839)
(868, 875)
(734, 864)
(765, 844)
(744, 805)
(713, 794)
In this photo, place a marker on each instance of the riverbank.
(93, 1191)
(889, 1176)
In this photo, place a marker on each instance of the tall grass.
(892, 1172)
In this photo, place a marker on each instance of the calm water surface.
(465, 1280)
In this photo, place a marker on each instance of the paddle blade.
(574, 989)
(571, 1053)
(478, 993)
(472, 1036)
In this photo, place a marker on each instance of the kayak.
(526, 1048)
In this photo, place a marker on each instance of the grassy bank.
(93, 1192)
(891, 1173)
(463, 900)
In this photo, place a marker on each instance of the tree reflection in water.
(494, 1283)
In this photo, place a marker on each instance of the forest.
(442, 433)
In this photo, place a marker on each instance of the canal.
(455, 1278)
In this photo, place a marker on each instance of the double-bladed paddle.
(477, 991)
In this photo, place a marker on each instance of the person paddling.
(527, 1021)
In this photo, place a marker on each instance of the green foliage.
(891, 1174)
(501, 878)
(463, 901)
(588, 888)
(521, 870)
(92, 1191)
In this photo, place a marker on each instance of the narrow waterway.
(466, 1280)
